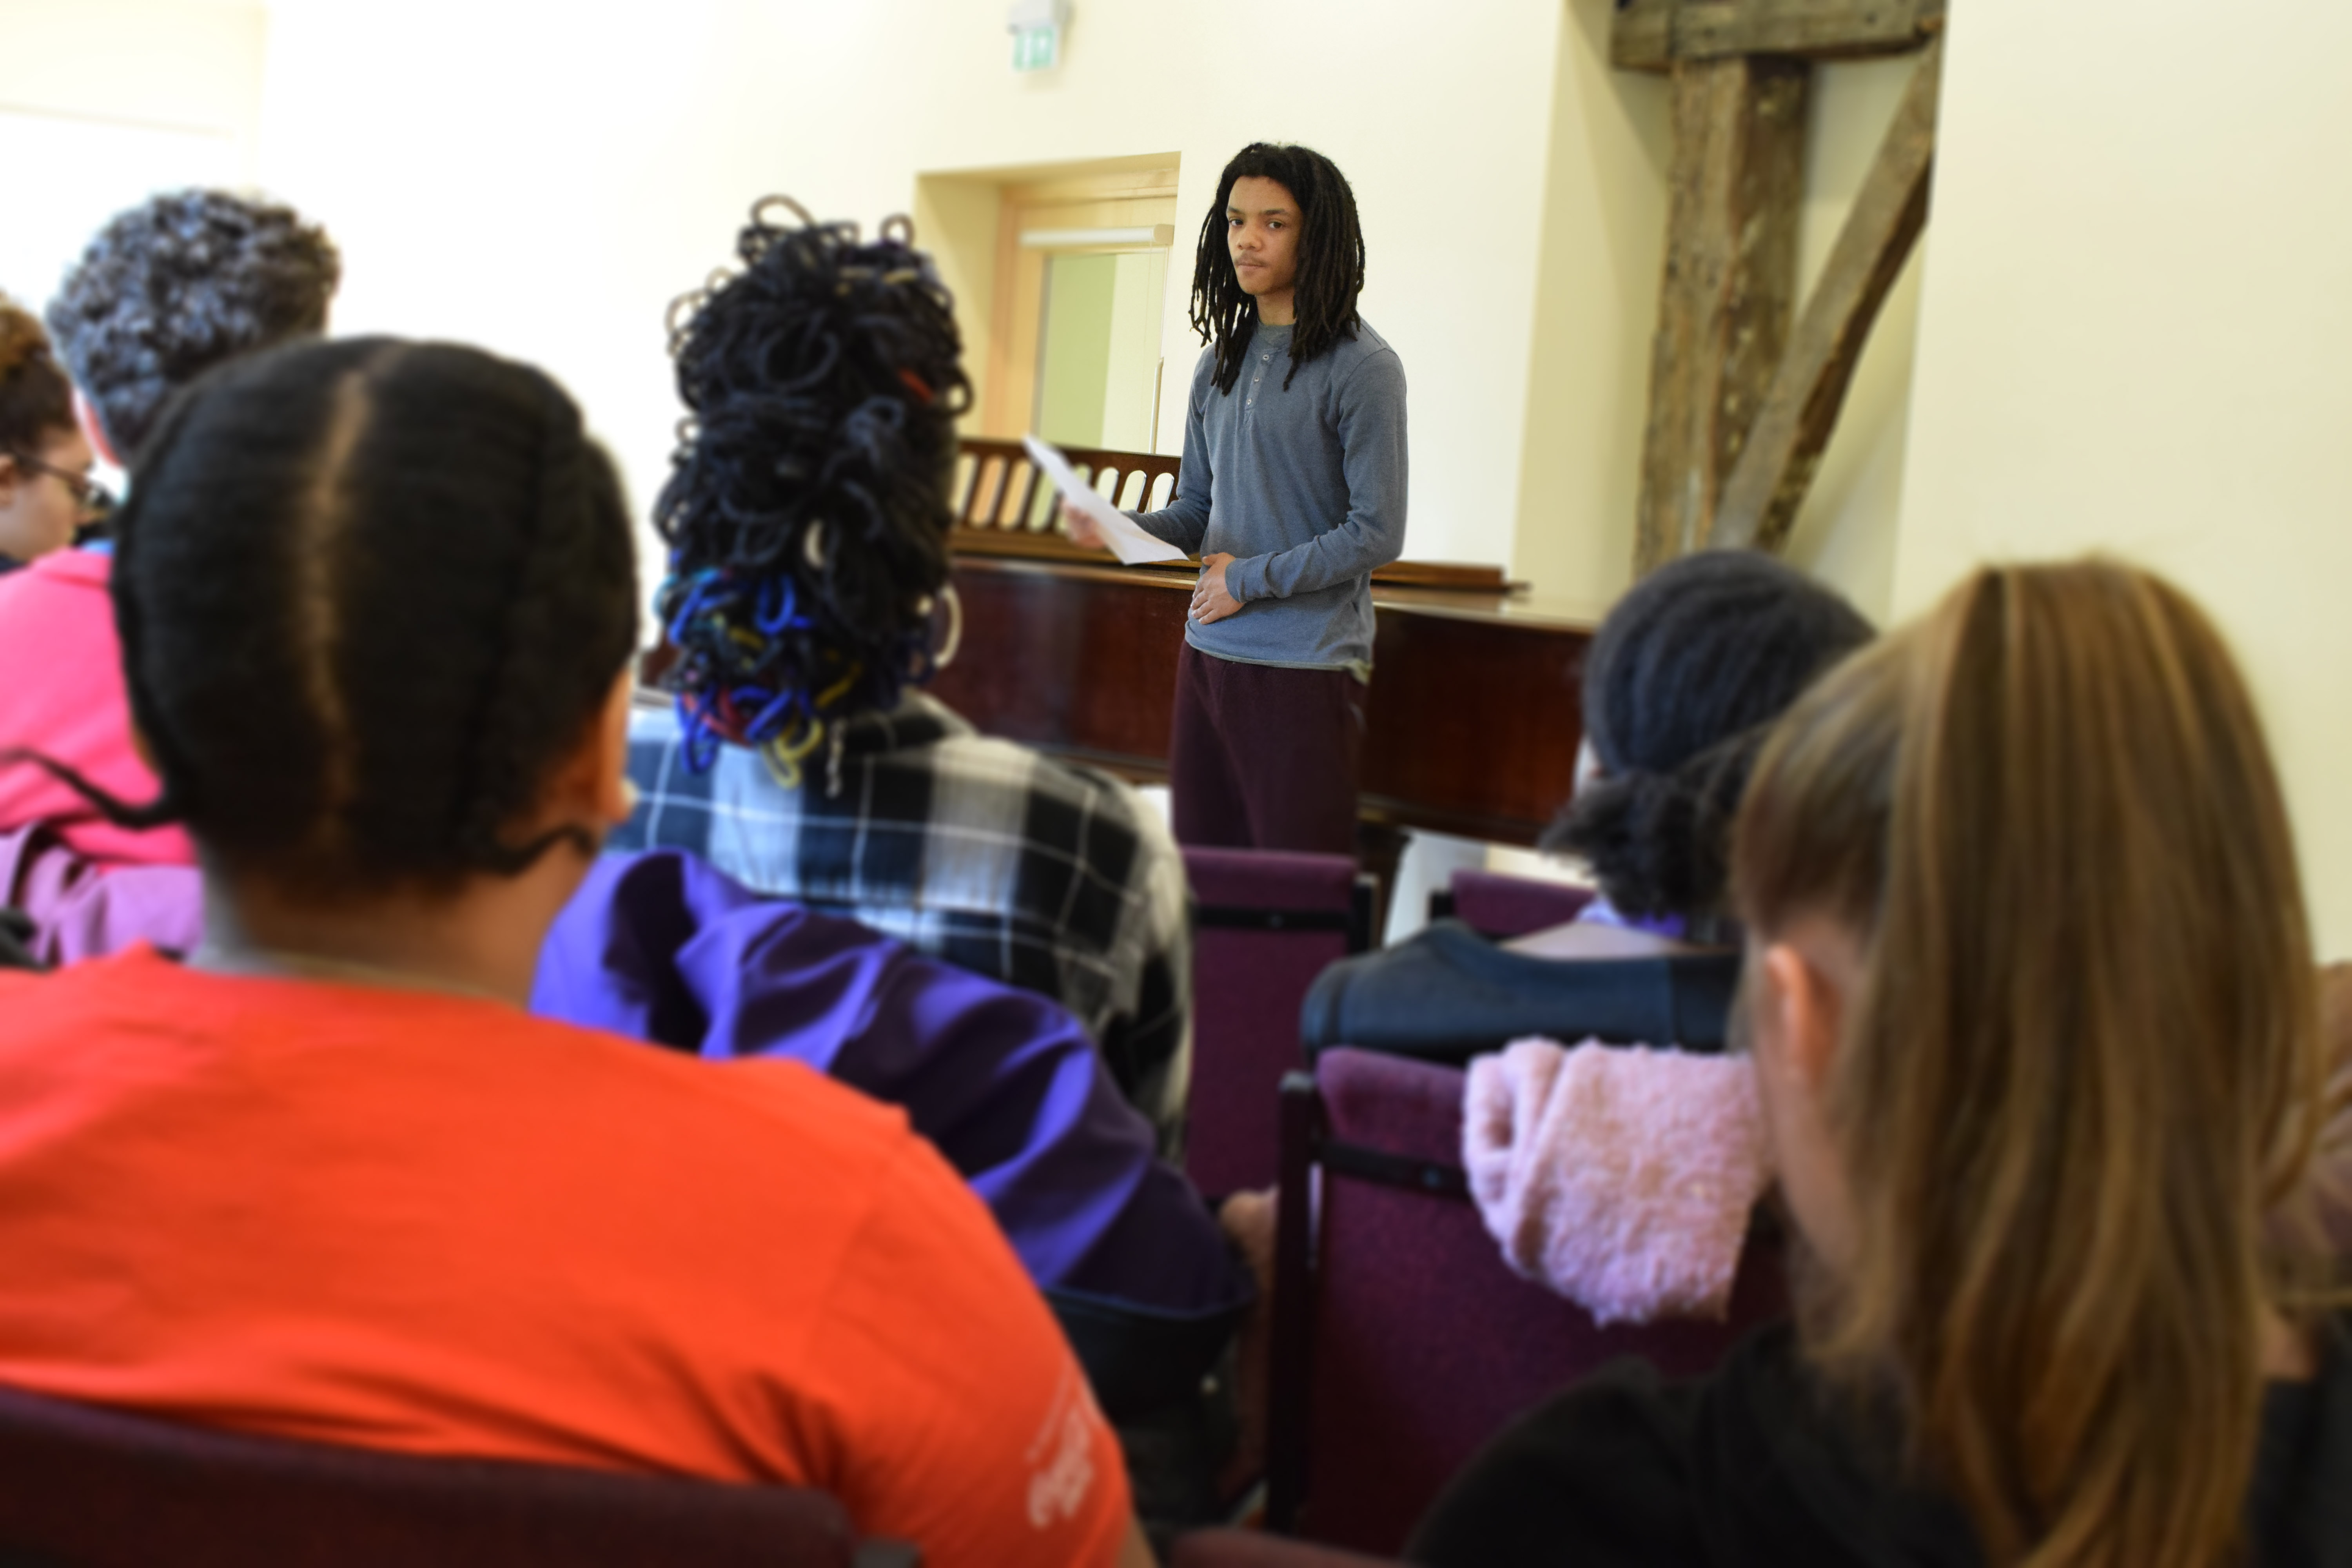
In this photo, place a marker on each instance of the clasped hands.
(1211, 601)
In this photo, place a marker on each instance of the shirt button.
(1269, 358)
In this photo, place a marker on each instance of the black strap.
(17, 934)
(1395, 1170)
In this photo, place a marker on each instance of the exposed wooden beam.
(1641, 38)
(1730, 278)
(1777, 462)
(1652, 34)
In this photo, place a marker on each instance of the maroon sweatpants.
(1262, 758)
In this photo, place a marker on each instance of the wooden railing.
(1003, 506)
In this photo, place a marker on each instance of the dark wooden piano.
(1474, 711)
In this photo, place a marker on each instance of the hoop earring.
(946, 656)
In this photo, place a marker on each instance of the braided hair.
(177, 285)
(1682, 686)
(36, 399)
(370, 594)
(1330, 261)
(807, 506)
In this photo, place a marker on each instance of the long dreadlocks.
(1330, 260)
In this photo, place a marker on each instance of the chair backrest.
(83, 1487)
(1496, 904)
(1403, 1342)
(1255, 1548)
(1264, 924)
(1448, 994)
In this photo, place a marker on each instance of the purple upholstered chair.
(1249, 1549)
(1501, 906)
(82, 1486)
(1401, 1342)
(1264, 924)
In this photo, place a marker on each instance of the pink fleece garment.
(61, 694)
(1618, 1175)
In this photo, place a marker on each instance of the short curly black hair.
(177, 285)
(807, 506)
(1682, 684)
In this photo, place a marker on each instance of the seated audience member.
(1683, 679)
(167, 291)
(46, 491)
(1004, 1086)
(808, 517)
(2032, 1009)
(329, 1181)
(1004, 1083)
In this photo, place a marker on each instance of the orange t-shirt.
(412, 1221)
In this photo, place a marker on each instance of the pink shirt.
(61, 694)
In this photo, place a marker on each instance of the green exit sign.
(1036, 48)
(1037, 33)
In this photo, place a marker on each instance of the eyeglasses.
(94, 499)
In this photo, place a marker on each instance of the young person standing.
(1293, 491)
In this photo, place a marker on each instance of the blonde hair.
(2083, 1060)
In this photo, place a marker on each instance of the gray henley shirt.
(1304, 485)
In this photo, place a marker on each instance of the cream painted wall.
(546, 182)
(190, 65)
(103, 102)
(2137, 317)
(1603, 243)
(545, 186)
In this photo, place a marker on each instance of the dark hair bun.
(1687, 673)
(807, 505)
(1660, 844)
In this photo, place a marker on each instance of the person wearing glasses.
(46, 493)
(165, 292)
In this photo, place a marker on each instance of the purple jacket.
(1004, 1083)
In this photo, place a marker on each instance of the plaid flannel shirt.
(985, 854)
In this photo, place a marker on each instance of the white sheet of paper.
(1128, 542)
